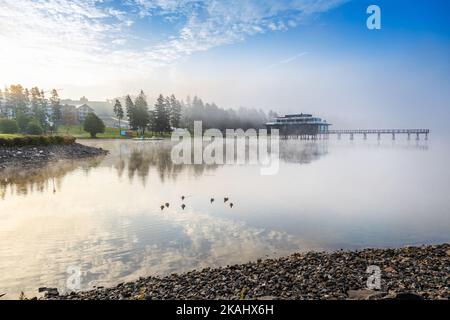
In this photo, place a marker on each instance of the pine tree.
(129, 106)
(162, 120)
(118, 111)
(7, 105)
(175, 112)
(38, 106)
(55, 104)
(17, 99)
(141, 116)
(167, 115)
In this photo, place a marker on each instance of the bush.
(8, 126)
(93, 125)
(34, 128)
(35, 140)
(22, 121)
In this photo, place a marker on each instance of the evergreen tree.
(17, 99)
(129, 107)
(37, 104)
(175, 112)
(56, 114)
(162, 120)
(118, 111)
(7, 104)
(43, 117)
(141, 116)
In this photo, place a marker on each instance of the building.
(82, 112)
(69, 114)
(300, 125)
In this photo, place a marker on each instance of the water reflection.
(44, 178)
(103, 214)
(136, 159)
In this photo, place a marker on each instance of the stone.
(389, 270)
(364, 294)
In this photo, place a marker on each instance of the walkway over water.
(363, 132)
(379, 132)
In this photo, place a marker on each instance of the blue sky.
(290, 55)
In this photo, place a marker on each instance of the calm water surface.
(103, 215)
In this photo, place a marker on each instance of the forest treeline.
(169, 113)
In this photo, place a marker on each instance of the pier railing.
(379, 132)
(363, 132)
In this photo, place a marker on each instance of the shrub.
(22, 121)
(93, 125)
(35, 140)
(34, 128)
(8, 126)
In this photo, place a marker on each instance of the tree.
(129, 107)
(34, 128)
(38, 106)
(22, 121)
(118, 111)
(175, 112)
(8, 126)
(141, 116)
(56, 114)
(17, 99)
(162, 119)
(93, 125)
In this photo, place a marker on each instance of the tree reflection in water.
(136, 159)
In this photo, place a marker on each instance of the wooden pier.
(364, 132)
(379, 132)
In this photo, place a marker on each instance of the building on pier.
(299, 125)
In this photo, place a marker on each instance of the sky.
(287, 55)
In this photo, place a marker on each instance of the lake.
(102, 216)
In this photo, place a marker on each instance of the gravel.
(406, 273)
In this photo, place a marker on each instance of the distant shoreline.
(406, 273)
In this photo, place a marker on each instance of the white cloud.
(84, 41)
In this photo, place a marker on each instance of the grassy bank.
(19, 140)
(110, 133)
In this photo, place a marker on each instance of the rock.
(312, 275)
(266, 298)
(365, 294)
(51, 292)
(389, 270)
(407, 296)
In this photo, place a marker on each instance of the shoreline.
(36, 156)
(406, 273)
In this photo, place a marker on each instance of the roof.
(84, 105)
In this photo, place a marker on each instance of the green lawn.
(110, 133)
(10, 136)
(78, 132)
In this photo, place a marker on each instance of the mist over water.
(103, 214)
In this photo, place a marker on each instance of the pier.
(379, 132)
(363, 132)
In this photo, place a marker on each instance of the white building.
(82, 112)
